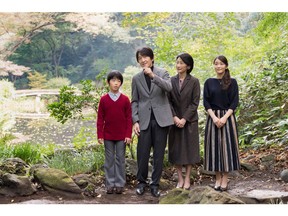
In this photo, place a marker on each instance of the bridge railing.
(36, 92)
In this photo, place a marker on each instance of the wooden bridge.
(37, 93)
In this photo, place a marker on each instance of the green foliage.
(81, 140)
(27, 152)
(72, 101)
(5, 152)
(30, 153)
(37, 80)
(129, 72)
(6, 118)
(6, 89)
(56, 83)
(74, 163)
(264, 106)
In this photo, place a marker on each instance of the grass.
(72, 162)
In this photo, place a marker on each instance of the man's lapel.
(144, 83)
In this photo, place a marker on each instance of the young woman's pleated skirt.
(221, 145)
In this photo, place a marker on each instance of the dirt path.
(242, 182)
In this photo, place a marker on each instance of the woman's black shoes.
(222, 189)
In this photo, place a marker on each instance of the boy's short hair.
(145, 51)
(115, 74)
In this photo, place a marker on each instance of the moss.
(176, 196)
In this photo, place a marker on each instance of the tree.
(7, 68)
(36, 80)
(53, 34)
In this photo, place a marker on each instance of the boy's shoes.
(109, 190)
(119, 190)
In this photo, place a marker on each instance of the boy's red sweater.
(114, 119)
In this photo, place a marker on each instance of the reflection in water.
(48, 130)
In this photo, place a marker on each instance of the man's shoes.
(155, 192)
(140, 190)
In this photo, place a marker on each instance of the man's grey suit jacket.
(143, 100)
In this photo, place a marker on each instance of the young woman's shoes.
(187, 188)
(216, 188)
(222, 189)
(179, 185)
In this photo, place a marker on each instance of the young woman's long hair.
(226, 79)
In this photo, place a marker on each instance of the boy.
(114, 129)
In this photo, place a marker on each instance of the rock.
(199, 195)
(132, 167)
(164, 184)
(262, 196)
(249, 167)
(14, 166)
(284, 175)
(268, 158)
(14, 185)
(57, 182)
(90, 190)
(206, 172)
(207, 195)
(82, 180)
(267, 162)
(175, 196)
(36, 166)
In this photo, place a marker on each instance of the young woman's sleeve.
(234, 95)
(206, 96)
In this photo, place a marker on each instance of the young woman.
(221, 99)
(183, 135)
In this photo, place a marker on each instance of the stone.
(14, 185)
(249, 167)
(175, 196)
(284, 175)
(57, 182)
(14, 166)
(263, 196)
(199, 195)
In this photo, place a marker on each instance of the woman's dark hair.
(115, 74)
(188, 60)
(226, 77)
(145, 51)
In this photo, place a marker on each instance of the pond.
(48, 131)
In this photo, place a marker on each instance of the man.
(152, 116)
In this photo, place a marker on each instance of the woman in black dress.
(183, 140)
(221, 98)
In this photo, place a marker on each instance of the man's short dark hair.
(115, 74)
(145, 51)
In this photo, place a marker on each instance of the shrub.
(74, 163)
(57, 83)
(6, 89)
